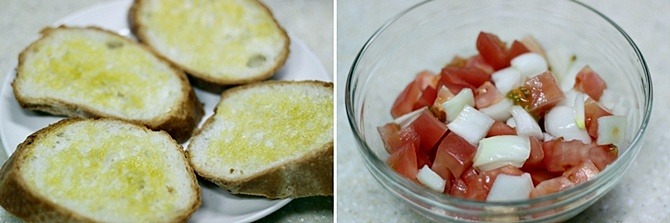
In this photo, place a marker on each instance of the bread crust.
(17, 198)
(308, 175)
(200, 79)
(179, 122)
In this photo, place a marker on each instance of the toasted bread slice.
(273, 139)
(216, 42)
(99, 170)
(91, 72)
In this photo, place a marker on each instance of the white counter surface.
(643, 194)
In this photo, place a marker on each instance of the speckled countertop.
(20, 20)
(643, 194)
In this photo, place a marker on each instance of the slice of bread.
(273, 139)
(216, 42)
(90, 72)
(99, 170)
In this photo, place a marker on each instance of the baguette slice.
(216, 42)
(273, 139)
(90, 72)
(99, 170)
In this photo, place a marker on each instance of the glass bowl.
(429, 34)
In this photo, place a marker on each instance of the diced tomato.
(488, 177)
(454, 83)
(394, 137)
(427, 98)
(589, 82)
(601, 156)
(443, 95)
(516, 49)
(478, 62)
(492, 50)
(539, 175)
(467, 76)
(459, 188)
(592, 111)
(429, 129)
(404, 161)
(560, 155)
(536, 157)
(486, 95)
(500, 128)
(454, 155)
(544, 93)
(477, 188)
(404, 103)
(582, 172)
(551, 186)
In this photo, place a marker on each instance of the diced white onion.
(510, 121)
(406, 119)
(525, 123)
(499, 111)
(529, 64)
(498, 151)
(455, 105)
(471, 124)
(611, 130)
(430, 179)
(568, 81)
(559, 59)
(510, 188)
(609, 99)
(580, 118)
(560, 122)
(569, 100)
(506, 79)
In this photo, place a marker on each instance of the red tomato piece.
(427, 98)
(536, 158)
(454, 155)
(459, 188)
(560, 155)
(582, 172)
(404, 103)
(488, 177)
(486, 95)
(454, 83)
(539, 175)
(478, 62)
(429, 129)
(516, 49)
(592, 111)
(601, 156)
(589, 82)
(394, 137)
(470, 75)
(500, 128)
(551, 186)
(477, 188)
(544, 93)
(492, 50)
(404, 161)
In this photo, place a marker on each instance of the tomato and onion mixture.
(504, 124)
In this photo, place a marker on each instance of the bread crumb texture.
(109, 172)
(239, 35)
(269, 125)
(116, 75)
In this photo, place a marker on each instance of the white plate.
(217, 205)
